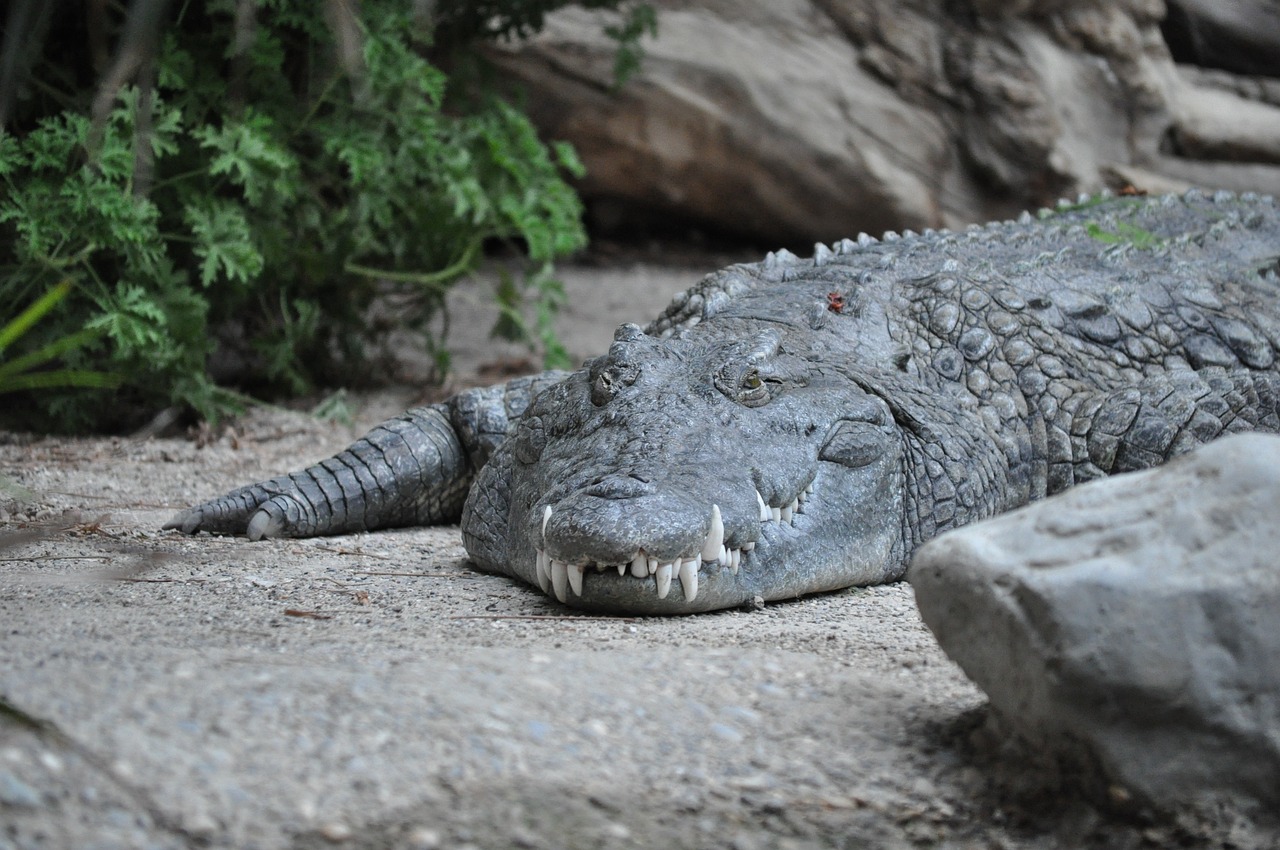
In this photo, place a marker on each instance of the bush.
(258, 181)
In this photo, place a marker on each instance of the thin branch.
(434, 280)
(137, 45)
(244, 28)
(24, 32)
(144, 159)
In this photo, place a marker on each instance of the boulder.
(1131, 626)
(797, 120)
(1241, 36)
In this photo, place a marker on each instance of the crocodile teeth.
(563, 578)
(560, 579)
(714, 543)
(546, 515)
(663, 576)
(689, 578)
(640, 566)
(542, 565)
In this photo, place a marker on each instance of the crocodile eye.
(752, 390)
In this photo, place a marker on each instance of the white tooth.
(640, 566)
(689, 579)
(775, 514)
(724, 555)
(560, 579)
(653, 566)
(622, 570)
(764, 509)
(784, 514)
(749, 546)
(664, 580)
(808, 490)
(715, 537)
(735, 560)
(575, 578)
(542, 566)
(546, 515)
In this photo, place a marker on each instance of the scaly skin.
(795, 426)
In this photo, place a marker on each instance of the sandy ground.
(371, 691)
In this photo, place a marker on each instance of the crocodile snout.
(624, 528)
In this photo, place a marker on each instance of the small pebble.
(423, 838)
(335, 832)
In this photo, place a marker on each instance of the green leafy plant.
(234, 195)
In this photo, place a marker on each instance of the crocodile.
(801, 425)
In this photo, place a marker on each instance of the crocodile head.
(694, 473)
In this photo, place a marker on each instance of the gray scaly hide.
(794, 426)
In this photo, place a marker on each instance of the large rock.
(794, 120)
(1241, 36)
(1131, 625)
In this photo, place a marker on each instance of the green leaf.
(1124, 234)
(16, 327)
(223, 243)
(46, 353)
(12, 157)
(58, 378)
(249, 154)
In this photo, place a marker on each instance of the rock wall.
(797, 120)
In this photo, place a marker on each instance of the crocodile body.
(795, 426)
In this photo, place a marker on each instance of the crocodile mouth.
(715, 557)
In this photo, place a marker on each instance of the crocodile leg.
(414, 469)
(1163, 417)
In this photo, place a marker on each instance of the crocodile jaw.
(843, 527)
